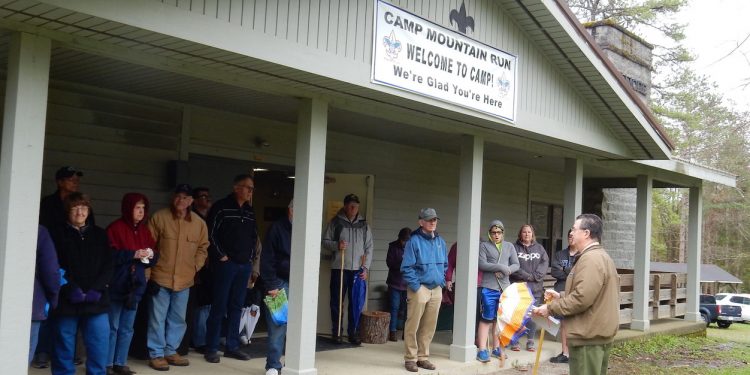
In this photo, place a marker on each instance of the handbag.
(278, 307)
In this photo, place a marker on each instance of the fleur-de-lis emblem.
(461, 19)
(392, 46)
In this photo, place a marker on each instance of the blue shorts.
(488, 301)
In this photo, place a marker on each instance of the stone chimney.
(630, 54)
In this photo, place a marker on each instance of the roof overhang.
(555, 30)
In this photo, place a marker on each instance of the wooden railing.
(666, 296)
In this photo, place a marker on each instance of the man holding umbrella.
(349, 237)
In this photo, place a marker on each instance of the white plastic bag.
(248, 320)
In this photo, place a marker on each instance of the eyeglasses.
(79, 208)
(249, 188)
(203, 196)
(493, 232)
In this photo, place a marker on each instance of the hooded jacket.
(126, 237)
(425, 260)
(534, 263)
(496, 259)
(358, 236)
(46, 277)
(562, 263)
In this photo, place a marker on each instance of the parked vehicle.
(742, 300)
(722, 315)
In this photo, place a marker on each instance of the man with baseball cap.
(350, 239)
(424, 265)
(182, 241)
(51, 210)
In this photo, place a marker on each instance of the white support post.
(695, 229)
(573, 195)
(642, 262)
(469, 214)
(20, 186)
(306, 236)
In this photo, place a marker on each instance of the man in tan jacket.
(182, 241)
(590, 303)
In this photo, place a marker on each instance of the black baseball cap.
(67, 172)
(351, 198)
(183, 188)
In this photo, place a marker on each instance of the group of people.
(92, 280)
(419, 268)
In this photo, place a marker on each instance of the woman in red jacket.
(133, 245)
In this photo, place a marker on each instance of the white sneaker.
(244, 340)
(272, 371)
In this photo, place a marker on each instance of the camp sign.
(413, 54)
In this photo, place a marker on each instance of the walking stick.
(341, 292)
(538, 352)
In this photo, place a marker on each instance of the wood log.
(373, 327)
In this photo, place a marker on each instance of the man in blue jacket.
(424, 266)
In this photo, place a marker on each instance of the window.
(547, 221)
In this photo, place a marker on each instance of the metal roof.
(709, 272)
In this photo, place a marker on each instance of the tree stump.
(373, 327)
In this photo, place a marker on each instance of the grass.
(722, 351)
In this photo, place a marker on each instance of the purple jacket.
(395, 255)
(46, 277)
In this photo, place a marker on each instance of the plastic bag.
(278, 307)
(248, 320)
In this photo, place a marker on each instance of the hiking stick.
(341, 293)
(538, 352)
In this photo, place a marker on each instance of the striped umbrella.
(513, 313)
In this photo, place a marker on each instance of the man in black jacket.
(233, 234)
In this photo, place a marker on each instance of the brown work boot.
(427, 365)
(392, 336)
(176, 360)
(411, 366)
(158, 364)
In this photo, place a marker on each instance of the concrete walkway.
(387, 359)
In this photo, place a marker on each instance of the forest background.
(706, 127)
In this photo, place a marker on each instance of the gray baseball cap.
(428, 214)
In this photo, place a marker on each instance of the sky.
(714, 28)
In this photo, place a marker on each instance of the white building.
(142, 93)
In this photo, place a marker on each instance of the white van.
(742, 300)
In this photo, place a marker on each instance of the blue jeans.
(95, 330)
(229, 289)
(34, 337)
(199, 330)
(276, 337)
(398, 299)
(166, 322)
(121, 322)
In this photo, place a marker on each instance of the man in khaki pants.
(424, 265)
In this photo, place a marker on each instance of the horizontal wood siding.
(122, 144)
(406, 178)
(546, 102)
